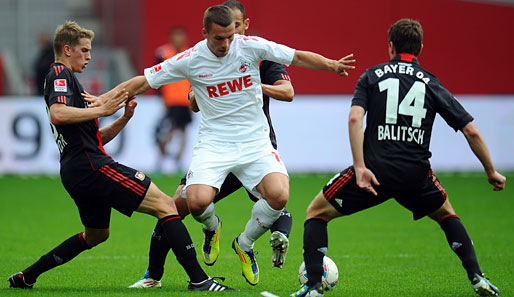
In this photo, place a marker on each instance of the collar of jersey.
(221, 59)
(405, 58)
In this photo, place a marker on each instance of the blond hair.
(70, 34)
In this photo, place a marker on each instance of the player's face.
(241, 24)
(80, 55)
(219, 38)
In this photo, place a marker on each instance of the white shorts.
(250, 162)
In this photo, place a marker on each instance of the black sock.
(159, 248)
(315, 244)
(64, 252)
(181, 244)
(461, 244)
(283, 223)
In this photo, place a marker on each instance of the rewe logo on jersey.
(228, 87)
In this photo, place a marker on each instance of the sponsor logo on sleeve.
(60, 85)
(156, 69)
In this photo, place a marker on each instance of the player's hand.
(192, 100)
(93, 100)
(497, 180)
(366, 179)
(130, 108)
(113, 101)
(344, 64)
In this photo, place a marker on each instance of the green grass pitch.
(379, 252)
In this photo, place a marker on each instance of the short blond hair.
(70, 34)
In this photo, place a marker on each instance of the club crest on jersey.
(244, 67)
(60, 85)
(140, 175)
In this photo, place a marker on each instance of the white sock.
(208, 218)
(263, 216)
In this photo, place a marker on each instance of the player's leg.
(280, 230)
(93, 213)
(159, 247)
(279, 238)
(274, 189)
(263, 173)
(61, 254)
(210, 165)
(340, 196)
(200, 201)
(163, 207)
(432, 200)
(462, 245)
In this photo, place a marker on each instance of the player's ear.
(67, 49)
(204, 33)
(247, 23)
(392, 50)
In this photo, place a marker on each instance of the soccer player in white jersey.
(223, 71)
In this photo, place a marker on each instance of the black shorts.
(112, 186)
(344, 195)
(229, 186)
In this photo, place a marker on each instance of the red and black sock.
(283, 223)
(461, 244)
(64, 252)
(315, 244)
(159, 248)
(181, 244)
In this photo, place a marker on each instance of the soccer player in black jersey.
(275, 83)
(390, 159)
(92, 178)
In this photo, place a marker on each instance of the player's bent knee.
(197, 207)
(95, 238)
(322, 209)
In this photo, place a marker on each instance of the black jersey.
(402, 100)
(270, 72)
(80, 145)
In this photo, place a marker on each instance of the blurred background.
(468, 45)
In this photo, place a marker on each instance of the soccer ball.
(330, 274)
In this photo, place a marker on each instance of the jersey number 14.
(411, 105)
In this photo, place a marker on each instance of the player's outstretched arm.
(134, 86)
(281, 90)
(61, 114)
(479, 147)
(315, 61)
(365, 178)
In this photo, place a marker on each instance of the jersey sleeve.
(58, 86)
(269, 50)
(271, 72)
(450, 109)
(171, 70)
(360, 96)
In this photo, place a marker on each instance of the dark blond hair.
(220, 14)
(406, 36)
(70, 34)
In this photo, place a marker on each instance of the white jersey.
(227, 89)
